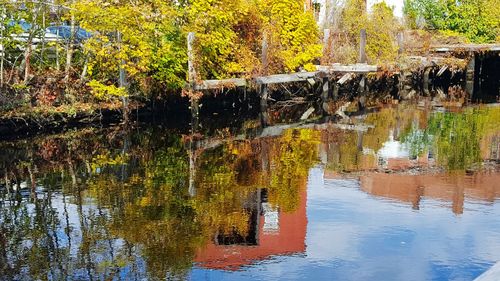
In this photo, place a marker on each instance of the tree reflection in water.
(108, 204)
(105, 205)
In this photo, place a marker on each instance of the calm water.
(403, 193)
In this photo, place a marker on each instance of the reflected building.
(381, 173)
(271, 233)
(449, 188)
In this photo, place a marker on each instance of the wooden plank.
(219, 84)
(285, 78)
(348, 68)
(431, 61)
(470, 75)
(345, 78)
(307, 114)
(442, 70)
(466, 47)
(354, 68)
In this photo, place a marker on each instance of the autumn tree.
(381, 27)
(293, 35)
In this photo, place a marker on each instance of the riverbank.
(453, 75)
(47, 119)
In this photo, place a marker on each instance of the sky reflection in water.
(395, 197)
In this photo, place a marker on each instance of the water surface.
(404, 193)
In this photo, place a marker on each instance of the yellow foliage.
(106, 92)
(381, 28)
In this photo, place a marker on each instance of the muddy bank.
(21, 127)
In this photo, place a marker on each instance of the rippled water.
(404, 193)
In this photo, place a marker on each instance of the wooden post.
(264, 95)
(326, 43)
(335, 91)
(191, 57)
(362, 92)
(362, 47)
(192, 169)
(264, 54)
(480, 60)
(402, 92)
(325, 95)
(426, 80)
(192, 78)
(400, 39)
(469, 76)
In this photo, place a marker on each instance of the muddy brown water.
(402, 193)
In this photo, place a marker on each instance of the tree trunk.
(85, 67)
(27, 57)
(42, 50)
(122, 81)
(58, 65)
(69, 51)
(2, 53)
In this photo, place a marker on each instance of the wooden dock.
(326, 80)
(322, 71)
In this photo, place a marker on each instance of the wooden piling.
(362, 92)
(191, 58)
(325, 95)
(264, 96)
(335, 91)
(426, 81)
(326, 44)
(192, 77)
(400, 38)
(264, 54)
(470, 72)
(362, 47)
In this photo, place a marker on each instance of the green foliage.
(478, 20)
(382, 28)
(458, 135)
(9, 13)
(454, 137)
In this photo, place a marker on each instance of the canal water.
(401, 193)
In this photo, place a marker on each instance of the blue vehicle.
(64, 31)
(26, 27)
